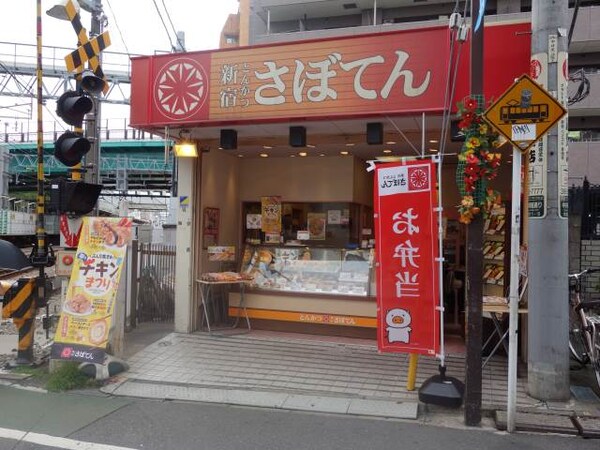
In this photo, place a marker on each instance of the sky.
(135, 27)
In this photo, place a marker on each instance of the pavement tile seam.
(229, 363)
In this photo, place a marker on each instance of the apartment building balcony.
(584, 161)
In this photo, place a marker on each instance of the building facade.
(270, 21)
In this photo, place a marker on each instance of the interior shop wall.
(220, 189)
(363, 183)
(314, 179)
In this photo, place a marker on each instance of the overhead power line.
(181, 45)
(164, 25)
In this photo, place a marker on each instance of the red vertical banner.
(407, 248)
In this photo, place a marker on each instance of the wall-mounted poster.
(334, 216)
(210, 227)
(271, 214)
(316, 226)
(253, 221)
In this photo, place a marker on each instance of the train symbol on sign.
(515, 112)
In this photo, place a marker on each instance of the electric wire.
(164, 25)
(181, 45)
(114, 17)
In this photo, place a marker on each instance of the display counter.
(310, 270)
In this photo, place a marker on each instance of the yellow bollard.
(413, 359)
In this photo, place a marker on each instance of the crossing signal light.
(70, 148)
(73, 106)
(74, 197)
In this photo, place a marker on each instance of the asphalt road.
(154, 425)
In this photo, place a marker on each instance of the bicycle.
(584, 325)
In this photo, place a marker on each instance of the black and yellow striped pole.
(19, 303)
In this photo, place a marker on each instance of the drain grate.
(584, 394)
(544, 423)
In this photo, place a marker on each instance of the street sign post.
(524, 113)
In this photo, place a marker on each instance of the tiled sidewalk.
(285, 363)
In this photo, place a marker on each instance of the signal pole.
(548, 352)
(93, 158)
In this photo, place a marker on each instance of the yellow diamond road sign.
(524, 113)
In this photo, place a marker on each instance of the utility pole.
(548, 351)
(474, 248)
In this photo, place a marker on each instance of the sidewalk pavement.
(320, 374)
(313, 373)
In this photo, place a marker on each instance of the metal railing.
(110, 129)
(19, 56)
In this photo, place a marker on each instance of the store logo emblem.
(180, 89)
(418, 178)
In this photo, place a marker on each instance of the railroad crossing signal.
(88, 50)
(524, 113)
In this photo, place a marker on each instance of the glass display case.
(309, 270)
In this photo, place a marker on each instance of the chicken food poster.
(86, 316)
(407, 249)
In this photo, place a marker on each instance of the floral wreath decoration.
(478, 161)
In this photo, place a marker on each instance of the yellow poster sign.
(86, 317)
(271, 214)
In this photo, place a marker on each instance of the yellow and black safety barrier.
(19, 303)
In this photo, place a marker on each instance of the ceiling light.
(433, 141)
(292, 156)
(267, 147)
(322, 154)
(344, 152)
(433, 150)
(387, 150)
(264, 155)
(310, 146)
(350, 144)
(303, 153)
(240, 156)
(390, 142)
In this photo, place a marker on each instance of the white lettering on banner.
(407, 254)
(524, 132)
(409, 216)
(407, 285)
(273, 92)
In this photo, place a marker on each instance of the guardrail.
(110, 129)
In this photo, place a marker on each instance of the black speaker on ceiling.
(374, 133)
(228, 139)
(297, 136)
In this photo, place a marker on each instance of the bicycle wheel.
(577, 344)
(595, 346)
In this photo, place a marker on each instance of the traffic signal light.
(73, 197)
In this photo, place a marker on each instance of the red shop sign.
(407, 248)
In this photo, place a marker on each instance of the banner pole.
(440, 258)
